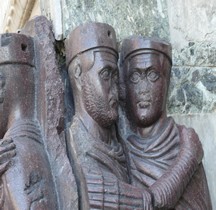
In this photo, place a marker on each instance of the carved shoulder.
(190, 141)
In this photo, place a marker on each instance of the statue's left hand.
(7, 151)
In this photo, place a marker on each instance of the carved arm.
(107, 192)
(169, 188)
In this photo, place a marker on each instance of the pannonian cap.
(90, 36)
(134, 44)
(16, 48)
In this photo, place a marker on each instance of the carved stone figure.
(94, 146)
(50, 109)
(27, 182)
(164, 157)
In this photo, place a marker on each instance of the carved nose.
(143, 92)
(114, 91)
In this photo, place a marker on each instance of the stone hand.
(106, 191)
(7, 151)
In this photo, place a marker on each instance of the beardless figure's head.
(145, 74)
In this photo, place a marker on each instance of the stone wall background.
(4, 8)
(193, 36)
(15, 13)
(192, 98)
(129, 17)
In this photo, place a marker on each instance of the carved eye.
(105, 74)
(153, 75)
(135, 77)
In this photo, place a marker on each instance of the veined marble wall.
(193, 36)
(192, 99)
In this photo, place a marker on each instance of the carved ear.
(77, 71)
(77, 76)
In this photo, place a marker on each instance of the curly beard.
(96, 105)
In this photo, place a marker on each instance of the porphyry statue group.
(124, 151)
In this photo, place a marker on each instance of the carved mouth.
(144, 104)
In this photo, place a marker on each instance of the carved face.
(146, 89)
(99, 86)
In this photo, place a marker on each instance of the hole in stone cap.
(108, 33)
(23, 46)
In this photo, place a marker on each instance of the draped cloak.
(101, 170)
(169, 164)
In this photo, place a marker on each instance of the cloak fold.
(169, 165)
